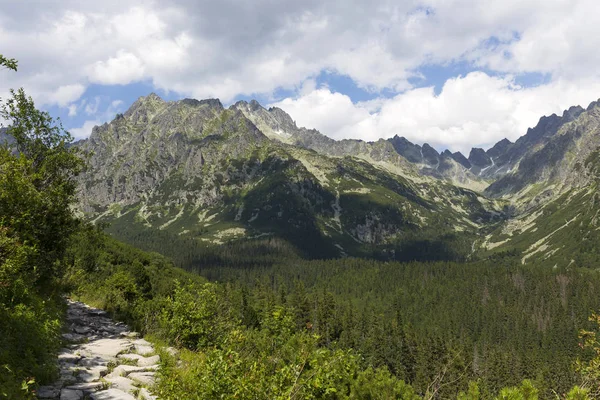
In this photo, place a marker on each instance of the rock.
(146, 395)
(479, 158)
(108, 347)
(67, 366)
(141, 360)
(142, 342)
(47, 392)
(91, 374)
(86, 387)
(82, 365)
(73, 337)
(68, 356)
(67, 378)
(145, 378)
(129, 334)
(123, 370)
(121, 383)
(143, 349)
(92, 362)
(172, 351)
(69, 394)
(82, 330)
(111, 394)
(148, 361)
(430, 155)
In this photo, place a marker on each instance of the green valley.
(268, 261)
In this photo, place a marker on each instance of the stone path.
(105, 360)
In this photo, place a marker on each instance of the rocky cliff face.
(193, 171)
(552, 187)
(397, 154)
(553, 152)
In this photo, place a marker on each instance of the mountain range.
(182, 176)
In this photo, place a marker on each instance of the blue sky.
(434, 76)
(453, 73)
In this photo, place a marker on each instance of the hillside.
(191, 174)
(553, 190)
(196, 174)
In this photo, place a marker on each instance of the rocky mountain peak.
(153, 97)
(143, 108)
(460, 158)
(255, 105)
(210, 103)
(479, 158)
(430, 155)
(593, 105)
(406, 149)
(572, 113)
(499, 148)
(283, 117)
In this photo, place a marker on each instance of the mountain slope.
(397, 155)
(183, 176)
(193, 173)
(553, 190)
(551, 153)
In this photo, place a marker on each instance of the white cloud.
(91, 108)
(72, 110)
(186, 47)
(85, 130)
(475, 110)
(122, 69)
(66, 94)
(560, 38)
(228, 48)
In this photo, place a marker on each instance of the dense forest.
(255, 320)
(495, 322)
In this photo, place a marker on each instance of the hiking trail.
(105, 360)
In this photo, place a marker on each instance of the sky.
(453, 73)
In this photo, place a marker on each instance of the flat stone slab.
(121, 383)
(124, 370)
(145, 378)
(92, 362)
(141, 342)
(111, 394)
(73, 337)
(91, 374)
(87, 387)
(147, 361)
(68, 394)
(107, 347)
(142, 349)
(141, 360)
(67, 355)
(82, 330)
(48, 392)
(129, 334)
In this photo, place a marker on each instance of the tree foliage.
(37, 192)
(8, 63)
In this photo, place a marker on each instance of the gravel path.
(106, 361)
